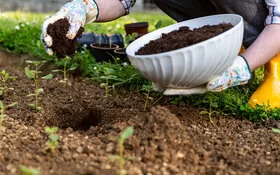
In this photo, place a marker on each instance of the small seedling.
(276, 130)
(4, 77)
(129, 38)
(3, 109)
(107, 71)
(211, 100)
(29, 170)
(35, 76)
(147, 89)
(65, 70)
(53, 142)
(123, 137)
(158, 24)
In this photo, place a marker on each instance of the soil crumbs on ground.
(167, 140)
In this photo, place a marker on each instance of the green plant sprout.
(129, 38)
(158, 24)
(29, 170)
(3, 109)
(211, 100)
(65, 70)
(147, 89)
(277, 131)
(34, 75)
(123, 137)
(4, 77)
(53, 141)
(107, 71)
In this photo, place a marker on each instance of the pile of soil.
(168, 139)
(169, 41)
(62, 45)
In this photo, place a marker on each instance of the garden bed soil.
(167, 140)
(182, 37)
(63, 46)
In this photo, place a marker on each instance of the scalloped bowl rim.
(172, 27)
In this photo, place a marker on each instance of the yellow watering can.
(268, 93)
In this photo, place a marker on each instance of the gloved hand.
(237, 74)
(78, 13)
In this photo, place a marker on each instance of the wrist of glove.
(237, 74)
(77, 12)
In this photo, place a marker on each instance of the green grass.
(20, 33)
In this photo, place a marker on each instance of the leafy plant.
(4, 77)
(34, 74)
(53, 141)
(65, 61)
(3, 109)
(29, 170)
(129, 38)
(123, 137)
(147, 89)
(212, 101)
(107, 72)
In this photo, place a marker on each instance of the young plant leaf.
(51, 130)
(28, 73)
(276, 130)
(49, 76)
(127, 133)
(29, 170)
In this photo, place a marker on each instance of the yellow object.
(268, 93)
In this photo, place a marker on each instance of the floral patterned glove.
(237, 74)
(78, 13)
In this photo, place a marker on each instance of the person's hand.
(77, 12)
(237, 74)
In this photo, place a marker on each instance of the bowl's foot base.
(178, 91)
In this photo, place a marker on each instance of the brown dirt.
(182, 37)
(167, 140)
(63, 46)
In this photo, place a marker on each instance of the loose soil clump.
(62, 45)
(181, 38)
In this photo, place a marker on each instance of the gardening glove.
(237, 74)
(78, 12)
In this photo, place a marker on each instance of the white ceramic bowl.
(194, 65)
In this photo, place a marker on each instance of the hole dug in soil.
(73, 110)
